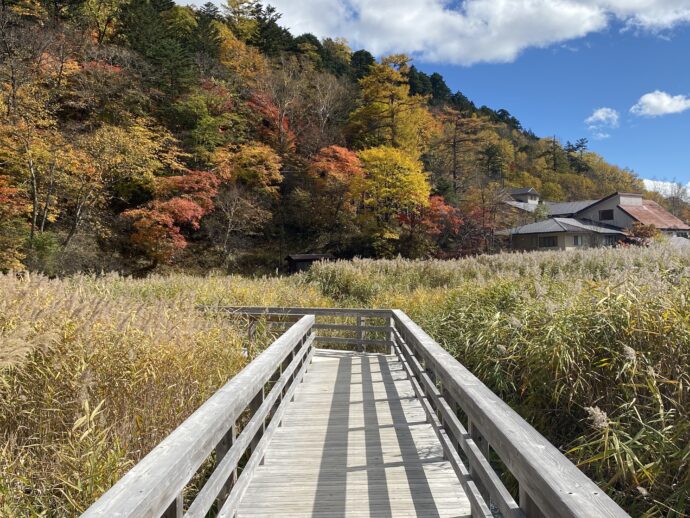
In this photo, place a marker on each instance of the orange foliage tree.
(426, 228)
(182, 201)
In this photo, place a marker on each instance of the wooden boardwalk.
(402, 429)
(354, 442)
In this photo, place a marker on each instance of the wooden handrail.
(550, 485)
(360, 333)
(154, 486)
(336, 312)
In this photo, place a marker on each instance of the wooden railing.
(155, 486)
(549, 484)
(364, 330)
(473, 425)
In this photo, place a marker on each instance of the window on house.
(577, 240)
(548, 242)
(606, 215)
(610, 240)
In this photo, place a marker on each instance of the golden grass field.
(591, 347)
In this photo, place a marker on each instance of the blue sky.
(554, 90)
(551, 63)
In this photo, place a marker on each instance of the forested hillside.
(141, 133)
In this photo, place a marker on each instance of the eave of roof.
(563, 208)
(560, 225)
(602, 200)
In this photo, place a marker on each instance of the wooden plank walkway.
(354, 443)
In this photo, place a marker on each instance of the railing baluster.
(529, 507)
(176, 508)
(221, 450)
(254, 406)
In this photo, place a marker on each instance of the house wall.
(531, 241)
(620, 218)
(526, 198)
(565, 240)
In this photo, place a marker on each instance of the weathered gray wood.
(349, 327)
(353, 444)
(489, 484)
(230, 506)
(338, 312)
(351, 341)
(554, 484)
(250, 437)
(426, 385)
(149, 487)
(479, 507)
(222, 449)
(175, 509)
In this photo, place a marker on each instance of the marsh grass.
(592, 348)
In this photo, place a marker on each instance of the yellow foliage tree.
(388, 115)
(254, 166)
(395, 183)
(241, 59)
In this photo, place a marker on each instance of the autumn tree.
(40, 158)
(281, 93)
(322, 111)
(424, 231)
(645, 233)
(395, 184)
(207, 118)
(101, 17)
(23, 51)
(12, 225)
(180, 204)
(338, 185)
(255, 166)
(456, 153)
(244, 62)
(250, 180)
(387, 114)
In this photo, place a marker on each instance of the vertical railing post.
(483, 445)
(254, 405)
(391, 334)
(176, 508)
(360, 335)
(528, 506)
(221, 450)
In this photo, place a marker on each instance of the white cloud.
(657, 103)
(661, 186)
(602, 119)
(472, 31)
(601, 135)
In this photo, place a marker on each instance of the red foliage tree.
(425, 229)
(158, 226)
(338, 184)
(274, 125)
(11, 201)
(436, 219)
(336, 165)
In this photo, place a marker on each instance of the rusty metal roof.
(651, 213)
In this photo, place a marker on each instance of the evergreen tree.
(361, 63)
(440, 93)
(420, 83)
